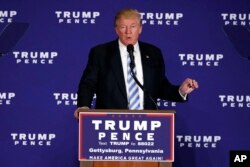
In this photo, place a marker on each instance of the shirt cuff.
(184, 97)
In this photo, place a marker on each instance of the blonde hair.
(127, 14)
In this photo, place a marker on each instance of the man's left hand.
(188, 86)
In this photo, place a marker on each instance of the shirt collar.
(123, 48)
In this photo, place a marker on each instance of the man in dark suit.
(106, 72)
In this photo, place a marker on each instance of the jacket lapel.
(117, 68)
(145, 57)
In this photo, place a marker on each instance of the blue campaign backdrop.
(40, 76)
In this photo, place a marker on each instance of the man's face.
(128, 30)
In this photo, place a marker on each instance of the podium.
(138, 127)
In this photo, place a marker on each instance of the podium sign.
(119, 136)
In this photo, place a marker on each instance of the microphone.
(130, 49)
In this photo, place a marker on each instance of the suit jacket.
(104, 76)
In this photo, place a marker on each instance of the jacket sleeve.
(168, 91)
(88, 82)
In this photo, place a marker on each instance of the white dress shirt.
(138, 65)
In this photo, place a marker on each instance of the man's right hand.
(76, 113)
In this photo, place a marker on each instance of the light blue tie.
(133, 90)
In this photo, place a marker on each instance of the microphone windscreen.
(130, 48)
